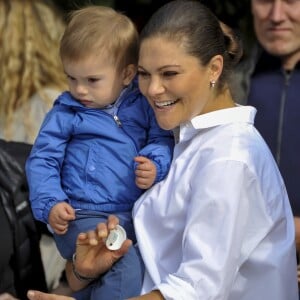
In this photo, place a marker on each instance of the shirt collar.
(238, 114)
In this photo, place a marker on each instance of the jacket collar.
(267, 62)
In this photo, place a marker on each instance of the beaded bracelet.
(77, 275)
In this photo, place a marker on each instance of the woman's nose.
(155, 87)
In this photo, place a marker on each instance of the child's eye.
(92, 80)
(70, 77)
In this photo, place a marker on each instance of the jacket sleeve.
(159, 147)
(45, 160)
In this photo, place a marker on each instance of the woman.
(220, 225)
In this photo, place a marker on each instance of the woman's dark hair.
(198, 30)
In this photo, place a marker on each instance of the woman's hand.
(92, 256)
(92, 259)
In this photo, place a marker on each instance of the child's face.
(94, 81)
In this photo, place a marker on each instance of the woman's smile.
(162, 104)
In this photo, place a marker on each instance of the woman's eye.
(142, 73)
(169, 73)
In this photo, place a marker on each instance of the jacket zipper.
(117, 120)
(287, 76)
(119, 124)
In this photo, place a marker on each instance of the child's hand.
(59, 217)
(145, 172)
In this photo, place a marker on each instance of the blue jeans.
(124, 279)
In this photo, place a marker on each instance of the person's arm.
(37, 295)
(92, 256)
(92, 259)
(44, 163)
(74, 283)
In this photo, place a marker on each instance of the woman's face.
(174, 82)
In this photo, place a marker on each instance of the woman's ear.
(129, 73)
(216, 67)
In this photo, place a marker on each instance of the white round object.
(116, 238)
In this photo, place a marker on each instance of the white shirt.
(220, 225)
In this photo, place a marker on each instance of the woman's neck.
(221, 101)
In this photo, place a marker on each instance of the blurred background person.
(270, 81)
(31, 74)
(31, 78)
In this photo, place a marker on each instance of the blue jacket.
(275, 94)
(85, 156)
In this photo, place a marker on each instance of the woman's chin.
(166, 124)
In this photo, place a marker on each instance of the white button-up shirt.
(220, 225)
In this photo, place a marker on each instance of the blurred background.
(234, 13)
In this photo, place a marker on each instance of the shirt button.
(92, 168)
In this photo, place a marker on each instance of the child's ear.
(129, 73)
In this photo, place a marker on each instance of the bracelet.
(77, 275)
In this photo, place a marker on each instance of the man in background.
(271, 83)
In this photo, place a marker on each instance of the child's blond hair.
(100, 30)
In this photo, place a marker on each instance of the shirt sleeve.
(45, 160)
(227, 217)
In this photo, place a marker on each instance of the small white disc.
(116, 238)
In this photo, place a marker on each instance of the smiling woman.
(180, 86)
(216, 192)
(174, 82)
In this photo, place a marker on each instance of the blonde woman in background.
(31, 74)
(31, 78)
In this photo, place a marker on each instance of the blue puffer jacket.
(85, 156)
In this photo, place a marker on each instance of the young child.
(99, 147)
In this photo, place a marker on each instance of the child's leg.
(123, 280)
(65, 243)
